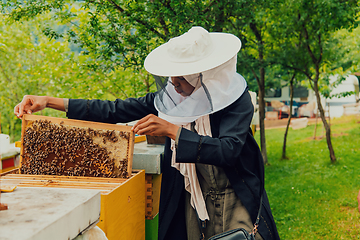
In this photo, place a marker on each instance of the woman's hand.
(155, 126)
(31, 104)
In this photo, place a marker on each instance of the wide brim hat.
(193, 52)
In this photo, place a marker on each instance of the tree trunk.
(326, 125)
(315, 129)
(261, 84)
(262, 115)
(147, 82)
(283, 156)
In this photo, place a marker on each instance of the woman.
(211, 161)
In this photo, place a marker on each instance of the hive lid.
(48, 213)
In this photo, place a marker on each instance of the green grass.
(310, 197)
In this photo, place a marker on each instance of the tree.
(291, 83)
(251, 24)
(309, 25)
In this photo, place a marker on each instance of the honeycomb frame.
(66, 147)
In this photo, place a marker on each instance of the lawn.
(310, 197)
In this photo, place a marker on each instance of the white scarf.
(188, 170)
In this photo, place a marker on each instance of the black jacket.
(231, 147)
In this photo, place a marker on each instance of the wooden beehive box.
(65, 147)
(122, 207)
(152, 195)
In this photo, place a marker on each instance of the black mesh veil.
(161, 83)
(171, 103)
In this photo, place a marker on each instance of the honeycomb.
(58, 149)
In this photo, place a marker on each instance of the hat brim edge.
(226, 46)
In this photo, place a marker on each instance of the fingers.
(19, 109)
(143, 120)
(29, 104)
(150, 125)
(146, 125)
(148, 130)
(16, 110)
(155, 126)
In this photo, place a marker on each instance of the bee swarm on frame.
(56, 149)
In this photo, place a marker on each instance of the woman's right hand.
(154, 126)
(30, 104)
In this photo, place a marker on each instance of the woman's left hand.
(155, 126)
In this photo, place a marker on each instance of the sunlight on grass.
(310, 197)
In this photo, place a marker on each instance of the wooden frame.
(69, 124)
